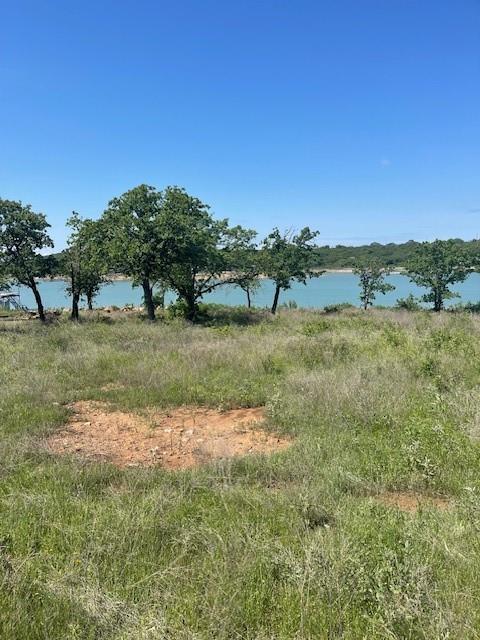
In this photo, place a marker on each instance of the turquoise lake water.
(328, 289)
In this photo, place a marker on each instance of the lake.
(328, 289)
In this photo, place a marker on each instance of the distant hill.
(345, 257)
(392, 255)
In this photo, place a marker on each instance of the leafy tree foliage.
(410, 303)
(95, 267)
(246, 263)
(4, 283)
(23, 233)
(83, 261)
(196, 249)
(436, 266)
(391, 254)
(288, 257)
(170, 239)
(372, 281)
(132, 230)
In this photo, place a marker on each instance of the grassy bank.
(299, 544)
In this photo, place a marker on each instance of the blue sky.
(360, 118)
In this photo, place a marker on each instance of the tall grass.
(291, 546)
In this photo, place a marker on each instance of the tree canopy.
(438, 265)
(289, 257)
(83, 261)
(245, 262)
(133, 242)
(23, 234)
(197, 249)
(170, 239)
(371, 275)
(391, 255)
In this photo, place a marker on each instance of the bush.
(338, 307)
(469, 307)
(177, 309)
(410, 303)
(213, 314)
(158, 299)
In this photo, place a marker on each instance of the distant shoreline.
(118, 277)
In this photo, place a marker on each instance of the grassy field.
(303, 543)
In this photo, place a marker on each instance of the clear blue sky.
(360, 118)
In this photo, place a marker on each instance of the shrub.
(410, 303)
(338, 307)
(158, 299)
(469, 307)
(177, 309)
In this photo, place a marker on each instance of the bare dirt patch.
(175, 439)
(112, 386)
(411, 502)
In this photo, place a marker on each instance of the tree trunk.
(148, 299)
(38, 299)
(90, 300)
(438, 303)
(75, 295)
(249, 302)
(74, 315)
(275, 300)
(191, 309)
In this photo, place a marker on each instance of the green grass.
(289, 546)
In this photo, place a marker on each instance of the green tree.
(23, 233)
(246, 262)
(132, 232)
(473, 249)
(83, 261)
(197, 250)
(371, 281)
(436, 266)
(248, 280)
(289, 257)
(95, 266)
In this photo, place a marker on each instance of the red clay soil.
(411, 502)
(176, 439)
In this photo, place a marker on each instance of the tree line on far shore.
(169, 240)
(392, 255)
